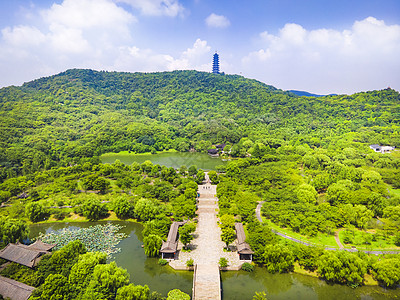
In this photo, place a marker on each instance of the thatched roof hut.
(14, 290)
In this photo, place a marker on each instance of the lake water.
(168, 159)
(235, 285)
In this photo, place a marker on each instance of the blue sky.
(313, 45)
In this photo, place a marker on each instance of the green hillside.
(78, 114)
(306, 158)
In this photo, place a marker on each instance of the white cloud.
(217, 21)
(363, 57)
(75, 33)
(170, 8)
(132, 58)
(23, 36)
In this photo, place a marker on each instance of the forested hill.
(80, 114)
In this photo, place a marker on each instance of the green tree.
(223, 262)
(152, 245)
(340, 192)
(82, 270)
(183, 170)
(192, 170)
(101, 184)
(362, 215)
(13, 230)
(133, 292)
(93, 209)
(387, 271)
(185, 233)
(213, 177)
(146, 209)
(35, 211)
(278, 258)
(341, 267)
(105, 282)
(55, 287)
(177, 295)
(227, 221)
(258, 237)
(200, 176)
(228, 235)
(123, 208)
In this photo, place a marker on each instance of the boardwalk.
(206, 281)
(207, 248)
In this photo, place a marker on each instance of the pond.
(142, 270)
(168, 159)
(235, 285)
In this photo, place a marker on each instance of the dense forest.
(77, 115)
(307, 158)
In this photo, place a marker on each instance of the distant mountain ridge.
(307, 94)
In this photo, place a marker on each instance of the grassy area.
(321, 239)
(359, 239)
(395, 192)
(369, 280)
(300, 270)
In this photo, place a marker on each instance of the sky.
(319, 46)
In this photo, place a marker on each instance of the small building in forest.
(243, 248)
(382, 149)
(169, 248)
(27, 255)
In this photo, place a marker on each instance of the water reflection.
(239, 285)
(242, 285)
(169, 159)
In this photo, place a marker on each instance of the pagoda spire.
(215, 68)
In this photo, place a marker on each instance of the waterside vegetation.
(307, 158)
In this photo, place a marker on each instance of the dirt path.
(337, 239)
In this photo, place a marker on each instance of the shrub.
(190, 262)
(61, 215)
(223, 262)
(247, 267)
(152, 244)
(278, 258)
(162, 262)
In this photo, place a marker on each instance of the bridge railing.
(194, 282)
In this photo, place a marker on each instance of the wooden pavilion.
(243, 248)
(168, 248)
(27, 255)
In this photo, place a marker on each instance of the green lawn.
(321, 239)
(359, 242)
(395, 192)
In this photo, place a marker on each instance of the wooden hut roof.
(40, 246)
(171, 244)
(21, 254)
(169, 247)
(14, 290)
(242, 246)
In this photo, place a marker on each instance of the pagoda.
(215, 68)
